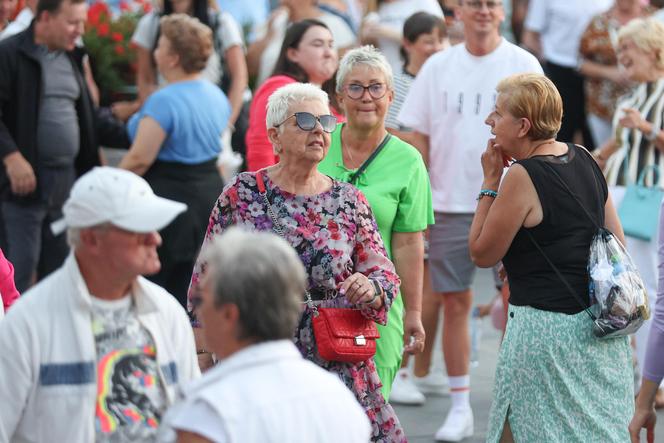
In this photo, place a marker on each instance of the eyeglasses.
(307, 121)
(476, 4)
(376, 90)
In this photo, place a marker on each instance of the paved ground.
(421, 422)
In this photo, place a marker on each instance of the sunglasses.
(356, 91)
(307, 121)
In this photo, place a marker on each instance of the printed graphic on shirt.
(130, 398)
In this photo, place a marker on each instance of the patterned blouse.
(335, 235)
(598, 44)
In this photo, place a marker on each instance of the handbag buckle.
(360, 340)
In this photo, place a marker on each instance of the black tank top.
(564, 234)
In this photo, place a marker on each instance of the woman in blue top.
(176, 141)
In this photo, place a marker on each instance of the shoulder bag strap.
(277, 227)
(560, 276)
(574, 196)
(367, 162)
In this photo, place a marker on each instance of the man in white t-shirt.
(263, 390)
(553, 30)
(447, 104)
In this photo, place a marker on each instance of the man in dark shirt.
(47, 133)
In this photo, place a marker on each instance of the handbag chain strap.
(546, 257)
(278, 228)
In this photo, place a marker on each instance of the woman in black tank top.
(554, 378)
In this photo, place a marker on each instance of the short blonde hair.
(190, 40)
(534, 97)
(648, 35)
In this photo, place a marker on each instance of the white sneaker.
(434, 383)
(458, 425)
(404, 391)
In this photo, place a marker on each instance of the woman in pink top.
(308, 55)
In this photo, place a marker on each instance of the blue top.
(193, 114)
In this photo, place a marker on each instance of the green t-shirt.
(395, 183)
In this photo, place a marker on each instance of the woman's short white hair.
(648, 35)
(281, 100)
(367, 56)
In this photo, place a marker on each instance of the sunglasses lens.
(328, 122)
(305, 121)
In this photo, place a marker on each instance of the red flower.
(124, 6)
(97, 12)
(117, 37)
(119, 49)
(103, 29)
(147, 7)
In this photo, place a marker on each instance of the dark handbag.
(341, 334)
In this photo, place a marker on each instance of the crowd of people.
(389, 148)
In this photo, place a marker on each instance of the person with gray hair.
(332, 228)
(244, 270)
(96, 352)
(392, 174)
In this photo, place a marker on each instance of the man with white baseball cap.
(95, 352)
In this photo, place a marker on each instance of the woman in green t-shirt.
(392, 175)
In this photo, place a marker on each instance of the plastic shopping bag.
(617, 291)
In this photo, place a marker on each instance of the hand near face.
(492, 161)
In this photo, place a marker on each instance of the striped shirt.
(402, 84)
(636, 151)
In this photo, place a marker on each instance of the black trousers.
(570, 85)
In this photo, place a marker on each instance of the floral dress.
(335, 235)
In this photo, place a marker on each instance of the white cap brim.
(152, 215)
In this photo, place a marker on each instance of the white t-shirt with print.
(449, 100)
(228, 34)
(560, 24)
(130, 397)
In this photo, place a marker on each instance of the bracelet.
(654, 132)
(487, 193)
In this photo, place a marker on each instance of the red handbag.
(341, 334)
(344, 334)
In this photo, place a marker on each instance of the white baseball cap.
(119, 197)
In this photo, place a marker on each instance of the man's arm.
(19, 171)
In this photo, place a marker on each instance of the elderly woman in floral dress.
(330, 225)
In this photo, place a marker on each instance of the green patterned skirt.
(556, 382)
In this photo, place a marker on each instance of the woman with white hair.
(330, 225)
(392, 174)
(638, 139)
